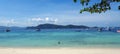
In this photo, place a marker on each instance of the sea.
(59, 38)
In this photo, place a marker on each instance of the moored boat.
(118, 31)
(7, 30)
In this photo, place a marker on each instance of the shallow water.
(67, 38)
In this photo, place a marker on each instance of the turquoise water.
(66, 39)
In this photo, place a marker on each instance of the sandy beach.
(59, 50)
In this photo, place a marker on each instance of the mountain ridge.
(55, 26)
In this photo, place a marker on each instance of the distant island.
(83, 27)
(54, 26)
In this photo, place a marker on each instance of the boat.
(108, 29)
(99, 29)
(7, 30)
(118, 31)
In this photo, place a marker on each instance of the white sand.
(59, 50)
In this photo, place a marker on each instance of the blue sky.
(33, 12)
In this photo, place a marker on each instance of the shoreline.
(5, 50)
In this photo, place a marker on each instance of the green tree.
(100, 7)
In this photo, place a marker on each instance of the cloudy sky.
(33, 12)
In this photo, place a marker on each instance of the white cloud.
(51, 20)
(43, 20)
(27, 22)
(56, 20)
(47, 19)
(37, 19)
(7, 22)
(12, 21)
